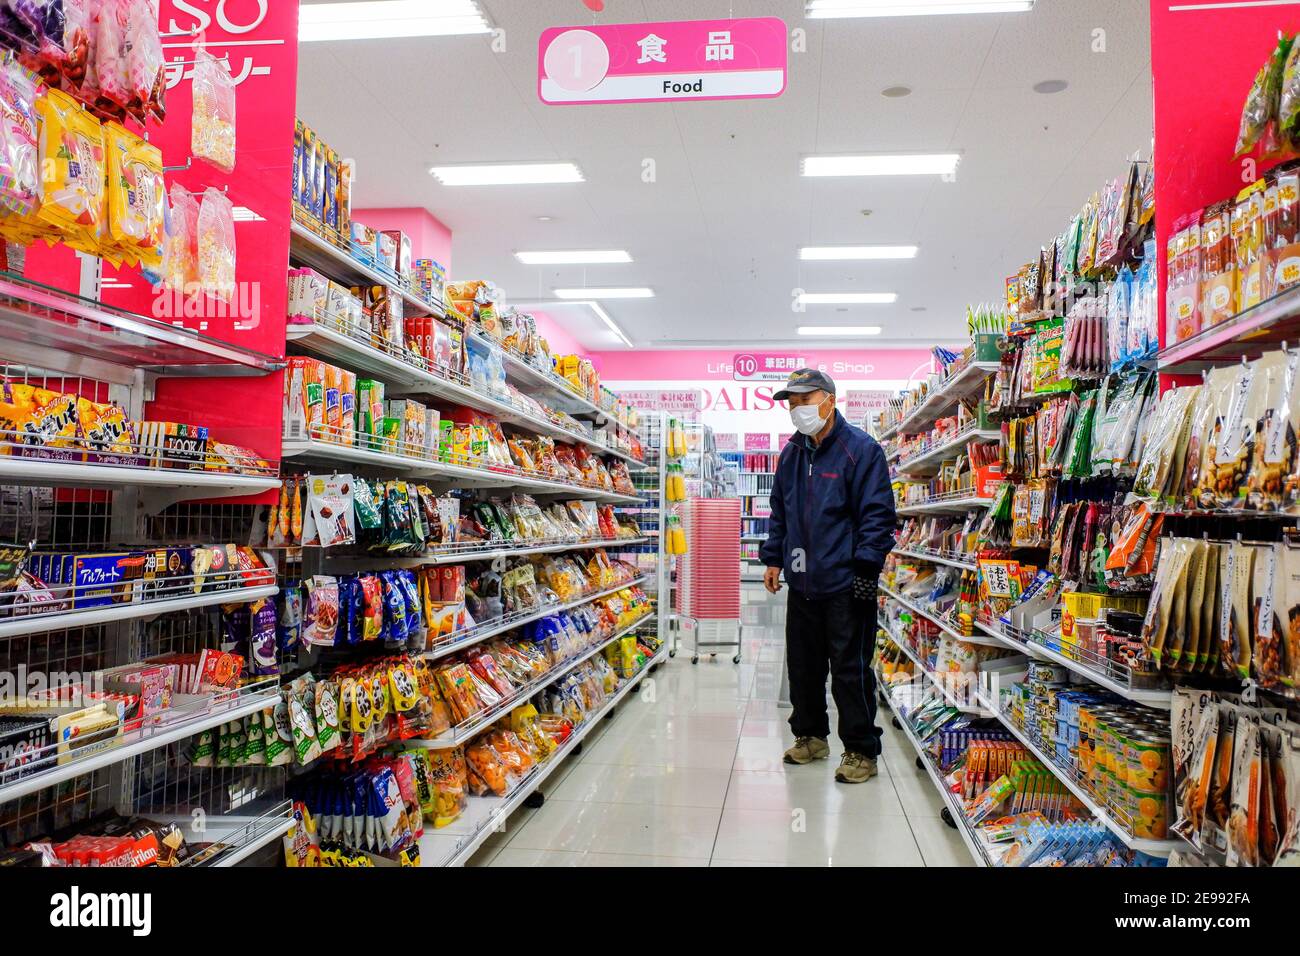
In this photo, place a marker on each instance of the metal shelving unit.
(455, 844)
(947, 395)
(1100, 811)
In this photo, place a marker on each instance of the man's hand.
(772, 580)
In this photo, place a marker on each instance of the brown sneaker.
(806, 750)
(855, 768)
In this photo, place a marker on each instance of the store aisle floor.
(689, 773)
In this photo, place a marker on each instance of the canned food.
(1149, 813)
(1147, 756)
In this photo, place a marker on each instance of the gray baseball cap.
(805, 380)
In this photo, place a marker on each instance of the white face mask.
(808, 419)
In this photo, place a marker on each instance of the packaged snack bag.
(213, 137)
(73, 174)
(1243, 812)
(145, 83)
(182, 274)
(216, 246)
(136, 197)
(20, 178)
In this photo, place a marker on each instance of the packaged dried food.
(213, 136)
(73, 170)
(20, 175)
(216, 246)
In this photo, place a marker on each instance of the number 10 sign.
(653, 62)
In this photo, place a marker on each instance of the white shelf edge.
(945, 396)
(950, 504)
(955, 809)
(411, 379)
(368, 562)
(975, 710)
(938, 452)
(44, 623)
(433, 470)
(1155, 699)
(437, 653)
(481, 722)
(489, 810)
(251, 704)
(937, 559)
(944, 626)
(16, 469)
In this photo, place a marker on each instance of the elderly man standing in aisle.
(832, 526)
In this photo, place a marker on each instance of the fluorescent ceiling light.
(829, 9)
(848, 298)
(612, 325)
(590, 257)
(586, 304)
(841, 331)
(883, 164)
(605, 293)
(854, 253)
(507, 174)
(379, 19)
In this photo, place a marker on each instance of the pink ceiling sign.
(652, 365)
(653, 62)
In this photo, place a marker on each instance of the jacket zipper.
(807, 522)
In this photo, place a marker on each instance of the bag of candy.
(20, 178)
(111, 29)
(216, 246)
(136, 199)
(182, 241)
(145, 82)
(213, 137)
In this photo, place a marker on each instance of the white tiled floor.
(689, 773)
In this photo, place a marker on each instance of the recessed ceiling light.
(883, 164)
(848, 298)
(856, 253)
(376, 19)
(589, 257)
(919, 308)
(896, 92)
(827, 9)
(628, 293)
(546, 219)
(506, 174)
(1050, 86)
(840, 331)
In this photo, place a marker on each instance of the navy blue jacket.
(832, 511)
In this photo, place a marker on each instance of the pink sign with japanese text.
(758, 441)
(766, 366)
(652, 62)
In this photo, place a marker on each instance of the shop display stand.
(652, 516)
(756, 477)
(405, 373)
(983, 852)
(92, 501)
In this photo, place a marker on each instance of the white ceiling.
(717, 234)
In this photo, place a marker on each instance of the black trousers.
(834, 635)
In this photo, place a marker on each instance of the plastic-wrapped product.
(216, 246)
(72, 165)
(20, 177)
(213, 137)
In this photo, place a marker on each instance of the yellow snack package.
(104, 427)
(136, 224)
(72, 170)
